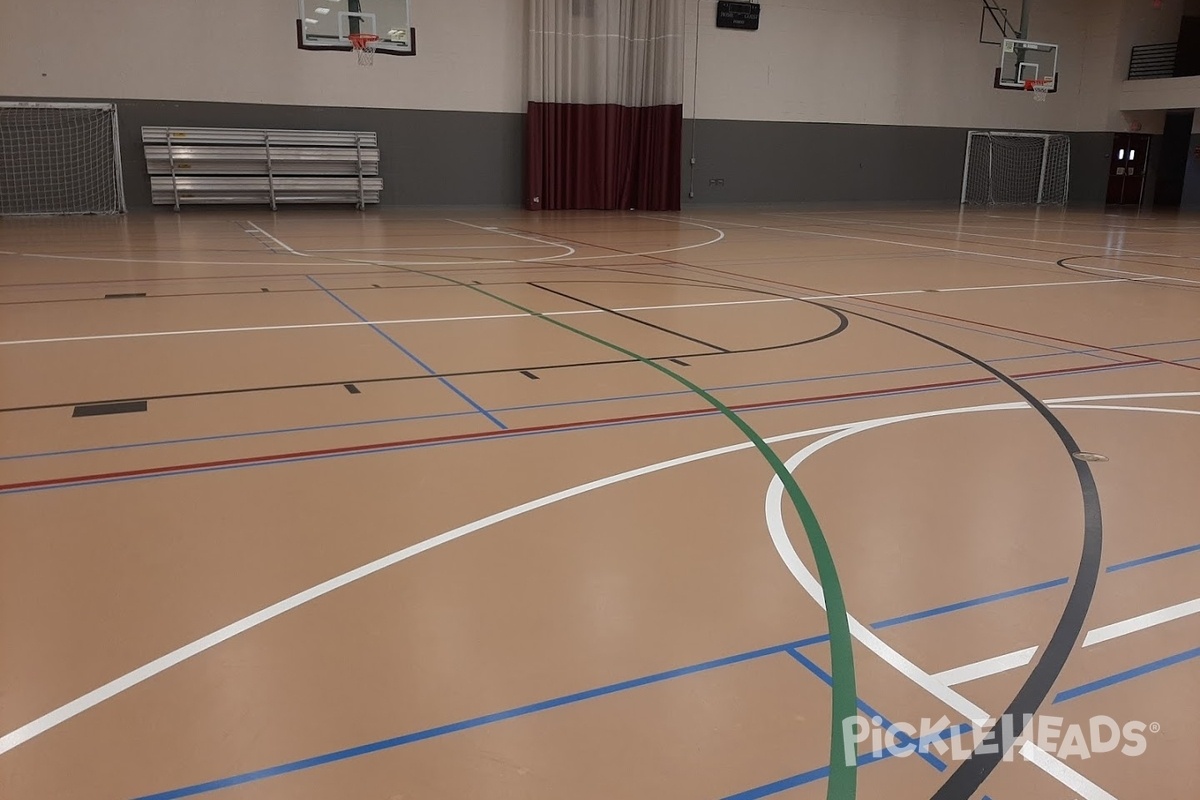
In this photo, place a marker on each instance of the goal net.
(1005, 168)
(59, 158)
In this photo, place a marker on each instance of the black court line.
(530, 375)
(631, 318)
(972, 772)
(352, 389)
(658, 280)
(1161, 282)
(842, 323)
(679, 362)
(124, 295)
(103, 409)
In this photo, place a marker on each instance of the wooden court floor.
(395, 506)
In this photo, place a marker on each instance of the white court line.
(1019, 658)
(720, 235)
(570, 250)
(936, 688)
(931, 683)
(127, 681)
(1145, 274)
(952, 232)
(958, 251)
(417, 320)
(439, 247)
(986, 667)
(1142, 622)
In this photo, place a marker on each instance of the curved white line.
(931, 684)
(569, 257)
(116, 686)
(569, 250)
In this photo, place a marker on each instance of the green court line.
(843, 777)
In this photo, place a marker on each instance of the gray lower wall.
(799, 162)
(427, 158)
(445, 158)
(1091, 152)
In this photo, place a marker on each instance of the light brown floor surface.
(324, 389)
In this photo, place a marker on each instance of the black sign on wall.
(743, 16)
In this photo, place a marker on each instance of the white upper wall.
(881, 62)
(470, 55)
(898, 62)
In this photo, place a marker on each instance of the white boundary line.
(917, 230)
(930, 683)
(986, 667)
(143, 673)
(1019, 658)
(1143, 276)
(487, 262)
(410, 321)
(1141, 622)
(570, 250)
(437, 247)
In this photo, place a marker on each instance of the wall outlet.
(716, 181)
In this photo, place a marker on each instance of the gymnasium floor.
(391, 506)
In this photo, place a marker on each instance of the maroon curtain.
(603, 156)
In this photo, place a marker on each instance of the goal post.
(1014, 168)
(60, 158)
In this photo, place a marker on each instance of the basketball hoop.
(364, 45)
(1040, 88)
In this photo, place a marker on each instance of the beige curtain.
(605, 110)
(627, 52)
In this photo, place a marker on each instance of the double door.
(1127, 168)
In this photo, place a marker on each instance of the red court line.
(561, 426)
(1038, 335)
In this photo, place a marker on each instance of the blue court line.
(528, 407)
(698, 413)
(1137, 562)
(558, 404)
(242, 435)
(1127, 675)
(823, 772)
(409, 353)
(601, 691)
(442, 730)
(991, 598)
(902, 737)
(475, 722)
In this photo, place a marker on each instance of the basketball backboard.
(328, 24)
(1022, 61)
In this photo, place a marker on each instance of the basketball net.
(364, 45)
(1040, 88)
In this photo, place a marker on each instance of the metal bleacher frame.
(251, 165)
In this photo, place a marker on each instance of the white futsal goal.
(1009, 168)
(60, 158)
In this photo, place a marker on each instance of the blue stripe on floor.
(410, 354)
(991, 598)
(1127, 675)
(1137, 562)
(902, 737)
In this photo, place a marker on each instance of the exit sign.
(743, 16)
